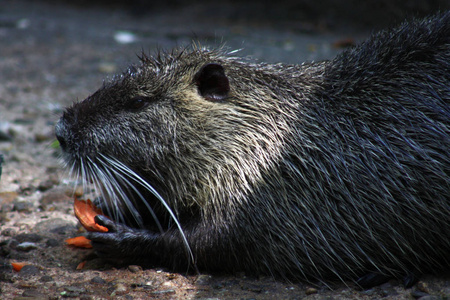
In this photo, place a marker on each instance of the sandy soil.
(52, 55)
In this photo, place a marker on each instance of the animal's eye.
(137, 103)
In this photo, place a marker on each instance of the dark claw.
(116, 243)
(120, 242)
(104, 221)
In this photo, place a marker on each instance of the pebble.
(21, 206)
(423, 286)
(125, 37)
(107, 68)
(56, 225)
(78, 191)
(255, 288)
(310, 291)
(98, 280)
(430, 297)
(4, 136)
(54, 195)
(29, 270)
(134, 268)
(416, 294)
(203, 280)
(26, 246)
(46, 278)
(46, 185)
(32, 293)
(40, 137)
(9, 232)
(4, 131)
(73, 291)
(164, 292)
(119, 289)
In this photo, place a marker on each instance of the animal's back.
(366, 169)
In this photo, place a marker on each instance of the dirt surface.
(52, 55)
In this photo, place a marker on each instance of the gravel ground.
(53, 54)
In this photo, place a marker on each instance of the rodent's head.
(197, 126)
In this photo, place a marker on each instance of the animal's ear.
(212, 82)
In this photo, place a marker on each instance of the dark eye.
(137, 103)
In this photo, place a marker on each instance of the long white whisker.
(130, 185)
(117, 187)
(125, 170)
(106, 183)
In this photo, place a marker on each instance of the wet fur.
(321, 171)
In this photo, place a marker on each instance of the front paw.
(118, 242)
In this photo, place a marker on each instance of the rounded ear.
(212, 82)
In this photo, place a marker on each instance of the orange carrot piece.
(85, 211)
(79, 242)
(17, 266)
(81, 265)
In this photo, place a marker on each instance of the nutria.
(321, 171)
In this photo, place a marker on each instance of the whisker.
(137, 179)
(115, 188)
(136, 214)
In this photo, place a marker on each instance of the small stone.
(5, 136)
(55, 225)
(310, 291)
(203, 280)
(75, 289)
(107, 68)
(29, 270)
(119, 289)
(125, 37)
(252, 288)
(26, 246)
(21, 206)
(55, 195)
(39, 137)
(32, 293)
(134, 268)
(164, 292)
(9, 232)
(98, 280)
(424, 296)
(79, 192)
(423, 286)
(63, 230)
(46, 185)
(46, 278)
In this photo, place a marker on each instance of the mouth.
(126, 197)
(121, 193)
